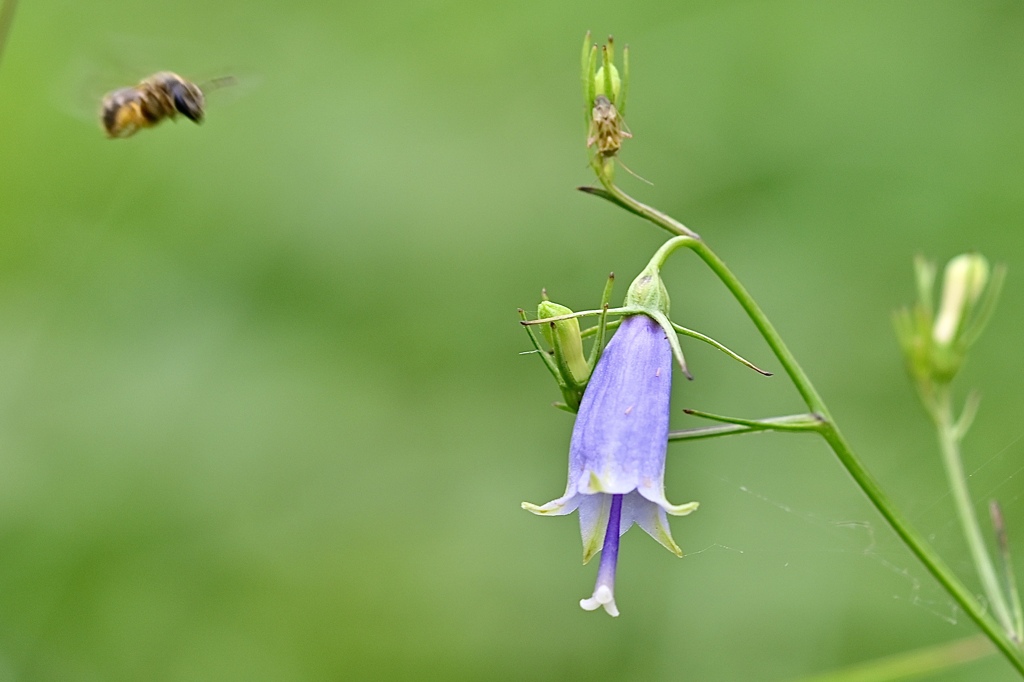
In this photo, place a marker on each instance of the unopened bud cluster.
(935, 342)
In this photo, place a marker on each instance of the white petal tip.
(546, 510)
(560, 507)
(602, 597)
(682, 509)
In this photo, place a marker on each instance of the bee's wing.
(231, 86)
(79, 89)
(116, 60)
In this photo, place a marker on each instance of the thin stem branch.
(829, 431)
(715, 344)
(537, 347)
(791, 422)
(1009, 577)
(615, 195)
(702, 432)
(949, 443)
(805, 422)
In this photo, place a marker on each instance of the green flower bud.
(601, 76)
(601, 84)
(648, 292)
(564, 337)
(962, 285)
(934, 344)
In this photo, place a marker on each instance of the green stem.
(767, 330)
(617, 196)
(928, 556)
(949, 435)
(829, 431)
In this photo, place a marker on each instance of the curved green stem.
(928, 556)
(829, 431)
(615, 195)
(764, 326)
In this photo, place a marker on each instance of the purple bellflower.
(617, 452)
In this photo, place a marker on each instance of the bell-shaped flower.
(617, 452)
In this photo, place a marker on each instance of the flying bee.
(163, 95)
(606, 128)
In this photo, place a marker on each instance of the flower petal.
(593, 523)
(621, 432)
(656, 494)
(566, 504)
(649, 516)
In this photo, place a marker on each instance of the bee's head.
(188, 100)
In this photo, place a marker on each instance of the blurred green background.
(263, 412)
